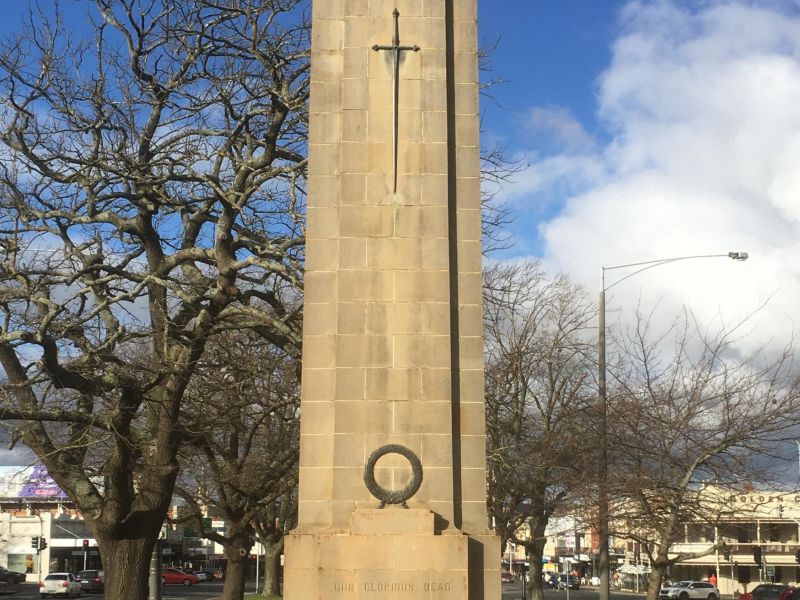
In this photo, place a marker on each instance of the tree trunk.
(535, 551)
(654, 585)
(127, 566)
(272, 568)
(236, 573)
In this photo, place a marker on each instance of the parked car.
(9, 581)
(506, 577)
(91, 580)
(689, 590)
(173, 575)
(61, 584)
(205, 575)
(568, 581)
(790, 593)
(7, 576)
(766, 591)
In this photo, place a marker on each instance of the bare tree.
(240, 459)
(687, 411)
(272, 524)
(150, 199)
(538, 355)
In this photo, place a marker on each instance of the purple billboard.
(28, 482)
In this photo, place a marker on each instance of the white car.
(689, 590)
(61, 584)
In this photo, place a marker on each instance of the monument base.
(390, 554)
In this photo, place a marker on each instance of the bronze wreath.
(389, 496)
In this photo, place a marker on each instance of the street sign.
(770, 571)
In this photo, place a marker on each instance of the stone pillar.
(393, 320)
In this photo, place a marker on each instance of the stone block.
(352, 254)
(435, 189)
(326, 96)
(436, 157)
(319, 319)
(326, 259)
(366, 221)
(434, 64)
(435, 222)
(366, 285)
(468, 161)
(422, 351)
(354, 125)
(436, 384)
(393, 520)
(393, 384)
(394, 253)
(328, 65)
(327, 35)
(423, 417)
(324, 158)
(349, 450)
(470, 352)
(317, 451)
(435, 319)
(353, 192)
(467, 99)
(350, 384)
(435, 254)
(363, 417)
(317, 385)
(327, 128)
(357, 7)
(323, 191)
(363, 351)
(317, 483)
(422, 286)
(354, 93)
(352, 318)
(473, 417)
(354, 159)
(434, 126)
(317, 415)
(319, 351)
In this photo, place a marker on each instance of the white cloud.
(703, 110)
(561, 126)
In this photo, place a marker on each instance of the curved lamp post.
(602, 480)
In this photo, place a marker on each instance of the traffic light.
(797, 556)
(42, 544)
(757, 555)
(35, 542)
(726, 554)
(85, 545)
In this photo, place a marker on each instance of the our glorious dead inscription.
(392, 397)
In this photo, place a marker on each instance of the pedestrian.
(713, 579)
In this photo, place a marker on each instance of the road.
(201, 591)
(513, 591)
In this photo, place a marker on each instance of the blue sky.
(651, 129)
(548, 54)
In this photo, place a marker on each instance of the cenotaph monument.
(392, 498)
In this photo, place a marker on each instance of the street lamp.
(602, 480)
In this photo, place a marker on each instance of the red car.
(770, 591)
(173, 575)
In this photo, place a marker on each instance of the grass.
(260, 597)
